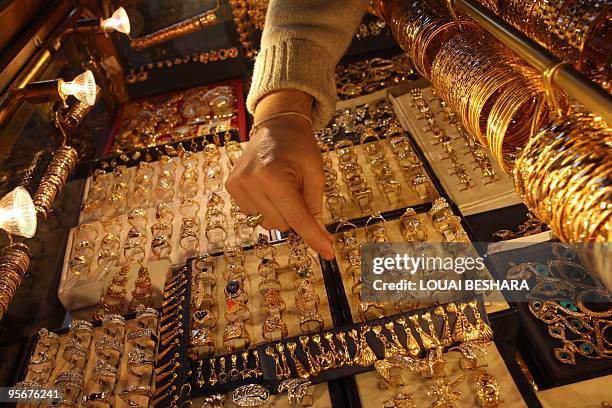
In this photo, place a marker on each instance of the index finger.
(292, 206)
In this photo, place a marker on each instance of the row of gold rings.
(386, 180)
(334, 199)
(203, 306)
(306, 298)
(410, 165)
(441, 138)
(353, 176)
(476, 150)
(233, 149)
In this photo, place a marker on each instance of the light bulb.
(17, 213)
(83, 87)
(119, 21)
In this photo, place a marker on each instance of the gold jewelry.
(364, 356)
(313, 364)
(212, 379)
(487, 391)
(278, 370)
(484, 330)
(346, 354)
(463, 330)
(285, 367)
(311, 321)
(299, 368)
(412, 345)
(324, 358)
(411, 227)
(337, 358)
(446, 338)
(390, 348)
(445, 392)
(400, 400)
(271, 325)
(236, 337)
(222, 372)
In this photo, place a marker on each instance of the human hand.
(280, 174)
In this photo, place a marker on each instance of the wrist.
(282, 101)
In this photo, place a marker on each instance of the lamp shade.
(17, 213)
(83, 87)
(119, 21)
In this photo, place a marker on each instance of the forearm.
(301, 45)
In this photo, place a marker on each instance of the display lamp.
(118, 21)
(82, 87)
(17, 213)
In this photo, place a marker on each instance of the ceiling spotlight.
(119, 21)
(17, 213)
(82, 87)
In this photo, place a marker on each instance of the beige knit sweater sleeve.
(302, 42)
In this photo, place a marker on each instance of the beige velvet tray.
(84, 291)
(125, 379)
(288, 281)
(395, 235)
(320, 399)
(373, 396)
(409, 197)
(584, 394)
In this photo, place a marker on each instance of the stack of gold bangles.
(63, 162)
(562, 175)
(506, 95)
(572, 30)
(14, 260)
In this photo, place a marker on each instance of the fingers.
(293, 208)
(313, 197)
(240, 197)
(252, 200)
(273, 219)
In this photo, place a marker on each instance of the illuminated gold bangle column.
(395, 13)
(177, 30)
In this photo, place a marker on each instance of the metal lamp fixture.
(82, 87)
(119, 22)
(17, 213)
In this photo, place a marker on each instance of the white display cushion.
(480, 197)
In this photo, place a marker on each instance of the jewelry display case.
(129, 276)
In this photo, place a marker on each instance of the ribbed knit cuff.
(296, 64)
